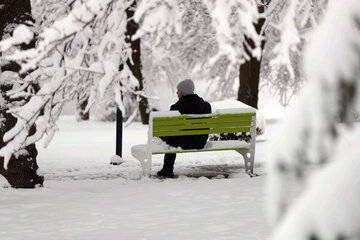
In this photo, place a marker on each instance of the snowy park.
(84, 197)
(176, 119)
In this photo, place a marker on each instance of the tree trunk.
(21, 171)
(250, 74)
(135, 66)
(82, 115)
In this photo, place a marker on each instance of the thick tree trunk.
(14, 11)
(22, 169)
(249, 82)
(136, 66)
(250, 75)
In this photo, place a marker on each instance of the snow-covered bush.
(230, 103)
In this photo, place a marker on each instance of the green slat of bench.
(200, 132)
(201, 120)
(200, 150)
(202, 125)
(213, 116)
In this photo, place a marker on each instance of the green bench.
(172, 123)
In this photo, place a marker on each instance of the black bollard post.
(119, 132)
(119, 129)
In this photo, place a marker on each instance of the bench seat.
(140, 151)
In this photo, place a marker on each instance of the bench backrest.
(199, 124)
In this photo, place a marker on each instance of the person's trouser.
(183, 142)
(169, 161)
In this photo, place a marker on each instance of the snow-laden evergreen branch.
(332, 64)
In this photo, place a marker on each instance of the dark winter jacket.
(189, 104)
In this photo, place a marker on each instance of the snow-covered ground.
(84, 197)
(110, 202)
(149, 209)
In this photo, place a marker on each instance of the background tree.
(134, 63)
(21, 172)
(249, 75)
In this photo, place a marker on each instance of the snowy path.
(108, 202)
(118, 209)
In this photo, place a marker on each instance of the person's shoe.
(165, 173)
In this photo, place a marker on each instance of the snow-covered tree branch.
(158, 18)
(233, 20)
(90, 39)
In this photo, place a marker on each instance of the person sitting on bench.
(188, 103)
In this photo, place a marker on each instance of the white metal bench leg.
(147, 166)
(249, 155)
(249, 161)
